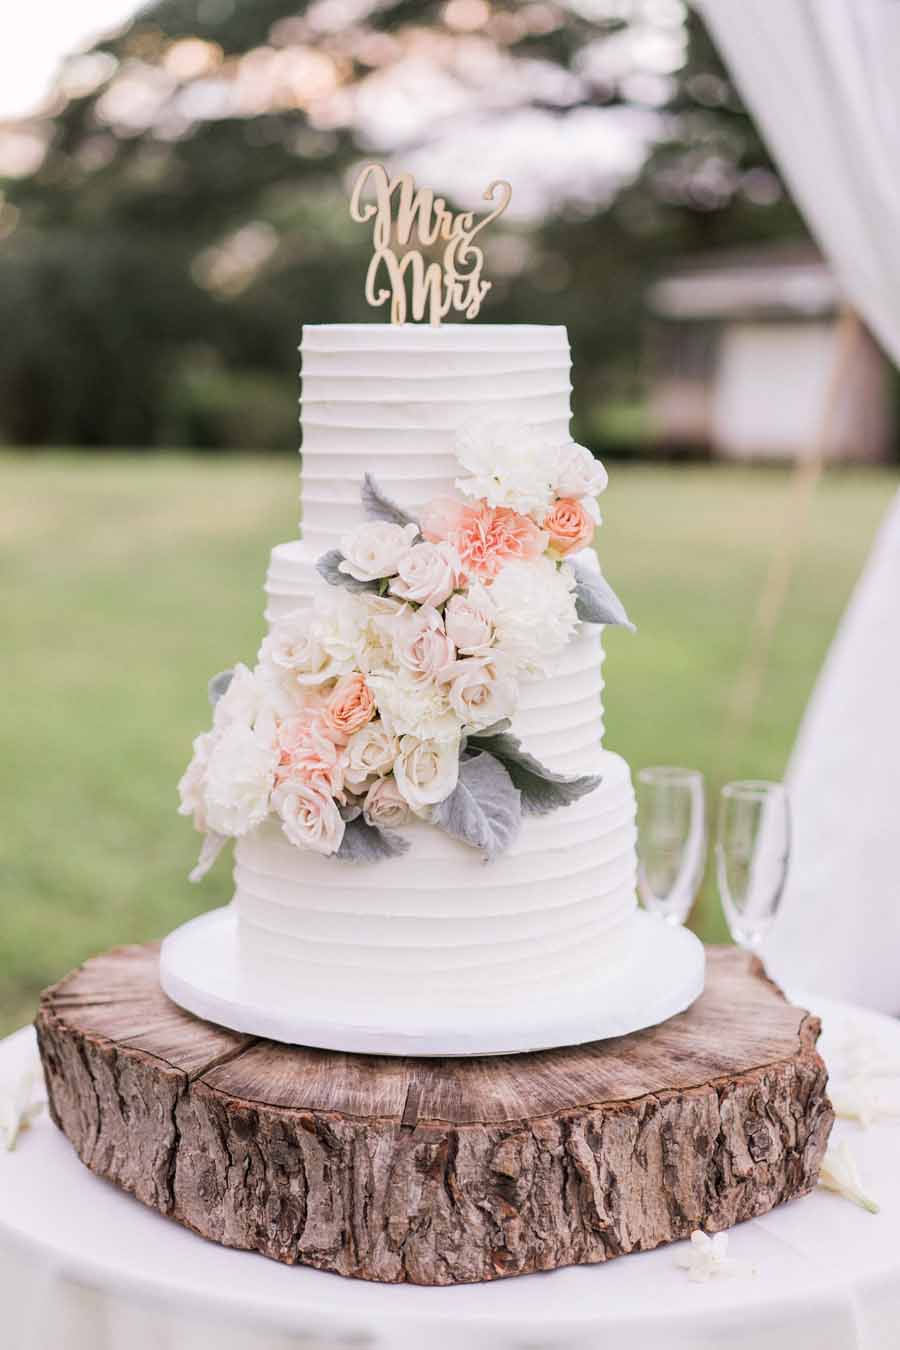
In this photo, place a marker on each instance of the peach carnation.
(350, 707)
(306, 752)
(569, 526)
(485, 537)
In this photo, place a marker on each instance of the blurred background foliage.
(179, 206)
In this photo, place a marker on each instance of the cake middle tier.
(560, 719)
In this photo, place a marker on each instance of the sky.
(34, 37)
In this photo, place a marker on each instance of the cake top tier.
(390, 400)
(501, 337)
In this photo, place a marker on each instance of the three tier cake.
(526, 933)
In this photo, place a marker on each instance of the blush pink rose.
(426, 574)
(308, 754)
(350, 707)
(486, 537)
(441, 518)
(421, 645)
(569, 526)
(309, 817)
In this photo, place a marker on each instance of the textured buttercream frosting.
(388, 401)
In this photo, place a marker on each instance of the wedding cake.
(414, 771)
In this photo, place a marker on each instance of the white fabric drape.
(822, 79)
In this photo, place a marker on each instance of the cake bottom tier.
(550, 914)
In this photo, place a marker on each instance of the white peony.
(469, 620)
(385, 806)
(373, 550)
(482, 691)
(578, 474)
(511, 465)
(421, 646)
(410, 707)
(309, 817)
(192, 786)
(369, 753)
(241, 701)
(239, 779)
(427, 574)
(536, 617)
(426, 771)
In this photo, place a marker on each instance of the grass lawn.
(127, 580)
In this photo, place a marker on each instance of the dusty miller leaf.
(379, 507)
(364, 843)
(328, 567)
(484, 810)
(218, 685)
(543, 790)
(595, 599)
(494, 730)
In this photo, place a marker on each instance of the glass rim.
(753, 789)
(669, 773)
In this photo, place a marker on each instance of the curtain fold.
(822, 80)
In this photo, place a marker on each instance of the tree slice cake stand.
(658, 971)
(438, 1171)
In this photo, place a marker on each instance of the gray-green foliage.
(484, 810)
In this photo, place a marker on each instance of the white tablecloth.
(84, 1267)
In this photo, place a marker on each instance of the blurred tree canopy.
(187, 209)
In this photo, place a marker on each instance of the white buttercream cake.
(558, 906)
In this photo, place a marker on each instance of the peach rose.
(489, 536)
(308, 754)
(350, 707)
(569, 526)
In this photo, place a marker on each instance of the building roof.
(785, 282)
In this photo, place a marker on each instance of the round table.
(85, 1267)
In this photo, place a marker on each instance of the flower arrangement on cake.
(391, 699)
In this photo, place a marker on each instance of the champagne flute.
(671, 840)
(753, 848)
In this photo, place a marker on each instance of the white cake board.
(661, 975)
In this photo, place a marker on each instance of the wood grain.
(439, 1171)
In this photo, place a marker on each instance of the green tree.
(190, 210)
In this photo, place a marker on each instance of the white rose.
(309, 817)
(511, 465)
(370, 752)
(343, 618)
(426, 771)
(241, 701)
(376, 647)
(482, 691)
(427, 574)
(536, 616)
(385, 806)
(192, 787)
(469, 620)
(578, 474)
(421, 646)
(239, 779)
(295, 653)
(373, 551)
(410, 707)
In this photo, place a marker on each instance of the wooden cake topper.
(405, 219)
